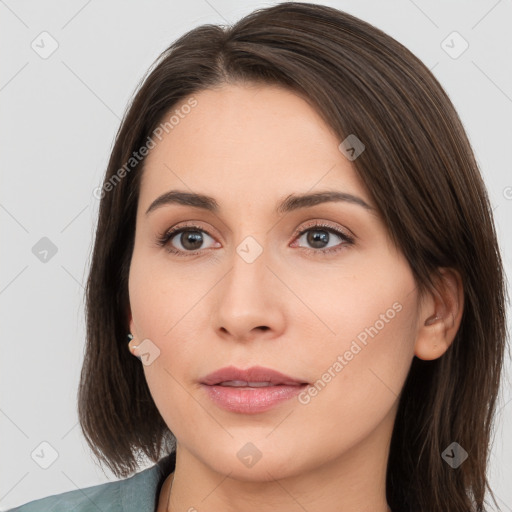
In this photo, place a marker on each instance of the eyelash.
(163, 239)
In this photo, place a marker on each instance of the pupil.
(318, 237)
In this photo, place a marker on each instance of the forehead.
(242, 142)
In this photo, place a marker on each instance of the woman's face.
(334, 307)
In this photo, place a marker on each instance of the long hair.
(421, 172)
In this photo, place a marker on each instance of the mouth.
(244, 384)
(255, 376)
(254, 390)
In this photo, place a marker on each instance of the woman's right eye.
(191, 238)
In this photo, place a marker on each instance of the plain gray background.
(59, 117)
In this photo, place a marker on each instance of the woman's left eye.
(320, 234)
(192, 237)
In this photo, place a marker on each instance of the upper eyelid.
(327, 225)
(312, 224)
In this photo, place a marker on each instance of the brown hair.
(421, 172)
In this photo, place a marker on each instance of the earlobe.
(132, 326)
(131, 323)
(440, 315)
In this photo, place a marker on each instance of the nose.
(250, 300)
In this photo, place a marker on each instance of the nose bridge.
(248, 276)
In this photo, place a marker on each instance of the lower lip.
(251, 400)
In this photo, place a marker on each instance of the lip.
(250, 400)
(252, 374)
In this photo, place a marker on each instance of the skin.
(250, 146)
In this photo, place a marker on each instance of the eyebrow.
(290, 203)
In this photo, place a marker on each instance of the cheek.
(369, 295)
(157, 297)
(165, 310)
(364, 310)
(362, 367)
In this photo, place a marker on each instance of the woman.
(295, 241)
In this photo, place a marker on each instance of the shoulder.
(105, 497)
(136, 493)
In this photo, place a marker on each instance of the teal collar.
(141, 491)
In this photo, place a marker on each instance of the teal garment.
(138, 493)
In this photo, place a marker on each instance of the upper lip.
(252, 374)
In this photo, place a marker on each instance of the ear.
(440, 314)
